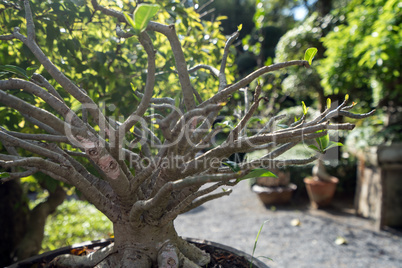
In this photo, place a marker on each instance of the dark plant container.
(234, 255)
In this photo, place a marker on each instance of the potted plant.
(321, 186)
(274, 189)
(145, 169)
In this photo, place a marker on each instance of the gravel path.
(235, 221)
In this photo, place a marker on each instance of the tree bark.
(142, 246)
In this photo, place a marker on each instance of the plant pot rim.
(316, 180)
(256, 262)
(48, 256)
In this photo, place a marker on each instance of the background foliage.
(75, 221)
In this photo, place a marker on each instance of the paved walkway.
(236, 219)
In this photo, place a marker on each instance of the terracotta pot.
(282, 179)
(43, 259)
(320, 192)
(274, 195)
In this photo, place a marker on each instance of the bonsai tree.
(150, 167)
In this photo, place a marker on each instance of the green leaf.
(239, 27)
(233, 166)
(31, 70)
(15, 70)
(256, 240)
(346, 97)
(3, 73)
(324, 141)
(333, 144)
(309, 54)
(258, 172)
(134, 89)
(328, 103)
(4, 175)
(315, 148)
(129, 20)
(143, 14)
(305, 109)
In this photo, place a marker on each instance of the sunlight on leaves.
(309, 54)
(143, 14)
(328, 103)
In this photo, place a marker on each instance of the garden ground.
(236, 220)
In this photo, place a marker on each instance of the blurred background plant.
(73, 222)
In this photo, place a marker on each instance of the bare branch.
(212, 69)
(203, 179)
(108, 11)
(30, 23)
(142, 205)
(181, 64)
(41, 115)
(356, 116)
(50, 99)
(38, 137)
(222, 75)
(188, 204)
(35, 162)
(164, 100)
(267, 127)
(207, 198)
(41, 81)
(41, 125)
(66, 83)
(18, 175)
(234, 134)
(149, 86)
(224, 93)
(32, 147)
(7, 37)
(195, 113)
(197, 95)
(275, 164)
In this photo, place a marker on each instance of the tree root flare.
(91, 260)
(177, 254)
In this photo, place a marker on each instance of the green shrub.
(75, 221)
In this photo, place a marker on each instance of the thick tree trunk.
(141, 246)
(23, 229)
(31, 243)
